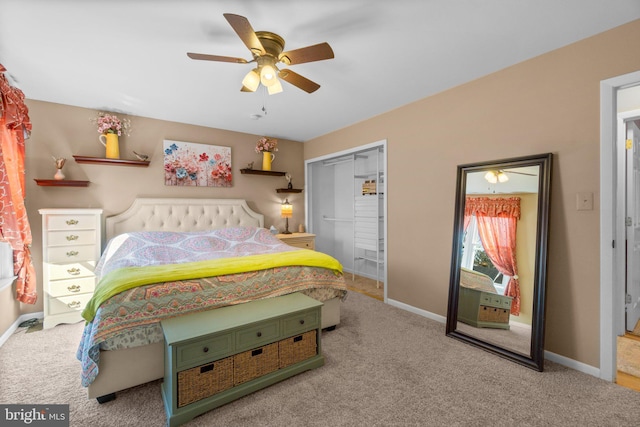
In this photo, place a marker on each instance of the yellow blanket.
(130, 277)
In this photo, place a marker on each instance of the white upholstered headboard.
(182, 215)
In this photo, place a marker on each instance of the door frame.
(612, 230)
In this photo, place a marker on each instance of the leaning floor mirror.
(499, 259)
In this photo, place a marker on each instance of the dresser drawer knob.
(74, 288)
(73, 271)
(74, 304)
(302, 321)
(206, 349)
(72, 253)
(72, 222)
(259, 334)
(72, 237)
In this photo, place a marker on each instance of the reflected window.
(475, 258)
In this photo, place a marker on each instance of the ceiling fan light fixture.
(268, 75)
(275, 87)
(502, 177)
(252, 80)
(491, 176)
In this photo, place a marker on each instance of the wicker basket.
(203, 381)
(255, 363)
(298, 348)
(493, 314)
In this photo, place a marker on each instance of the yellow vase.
(110, 141)
(267, 158)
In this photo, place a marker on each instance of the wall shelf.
(261, 172)
(113, 162)
(61, 183)
(289, 190)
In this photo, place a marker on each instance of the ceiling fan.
(267, 50)
(500, 175)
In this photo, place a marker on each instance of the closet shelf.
(327, 218)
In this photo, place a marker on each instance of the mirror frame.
(535, 359)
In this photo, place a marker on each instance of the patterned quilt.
(131, 318)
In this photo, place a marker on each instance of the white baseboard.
(14, 325)
(553, 357)
(421, 312)
(573, 364)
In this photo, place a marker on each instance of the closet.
(346, 208)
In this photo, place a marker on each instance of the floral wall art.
(196, 165)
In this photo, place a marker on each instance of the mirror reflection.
(496, 287)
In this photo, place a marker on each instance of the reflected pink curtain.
(14, 224)
(497, 224)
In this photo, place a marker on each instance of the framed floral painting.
(196, 165)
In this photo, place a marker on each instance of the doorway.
(612, 222)
(346, 205)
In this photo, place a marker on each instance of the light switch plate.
(584, 201)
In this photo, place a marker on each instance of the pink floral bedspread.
(133, 317)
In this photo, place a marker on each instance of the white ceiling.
(129, 56)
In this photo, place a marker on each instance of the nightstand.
(299, 240)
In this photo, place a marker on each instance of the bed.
(119, 366)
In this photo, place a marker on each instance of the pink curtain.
(497, 224)
(14, 224)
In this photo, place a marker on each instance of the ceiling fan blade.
(243, 28)
(316, 52)
(520, 173)
(204, 57)
(299, 81)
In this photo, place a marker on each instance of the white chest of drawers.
(71, 245)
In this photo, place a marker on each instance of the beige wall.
(62, 131)
(547, 104)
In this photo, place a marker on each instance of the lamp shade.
(286, 209)
(275, 88)
(502, 177)
(268, 75)
(251, 80)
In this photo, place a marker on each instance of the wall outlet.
(584, 201)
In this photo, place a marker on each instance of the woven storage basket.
(492, 314)
(204, 381)
(298, 348)
(255, 363)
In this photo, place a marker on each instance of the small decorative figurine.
(250, 165)
(141, 157)
(288, 178)
(59, 164)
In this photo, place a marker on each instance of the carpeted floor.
(384, 367)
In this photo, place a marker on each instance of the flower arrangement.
(266, 144)
(109, 123)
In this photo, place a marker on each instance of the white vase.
(59, 175)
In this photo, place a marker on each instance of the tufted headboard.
(182, 215)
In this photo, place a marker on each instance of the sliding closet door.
(330, 210)
(334, 184)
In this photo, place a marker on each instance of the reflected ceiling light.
(496, 176)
